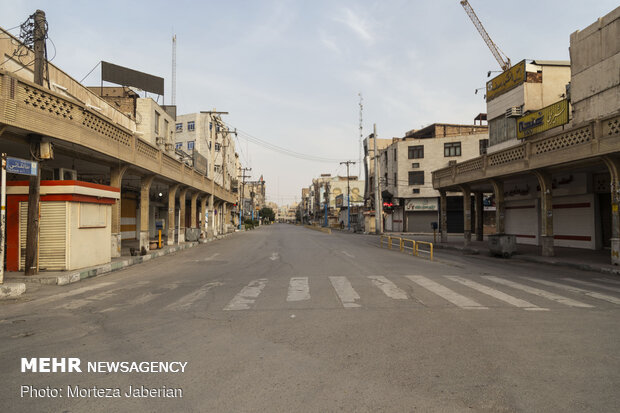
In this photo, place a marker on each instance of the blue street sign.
(21, 166)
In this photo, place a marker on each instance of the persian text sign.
(21, 166)
(510, 79)
(421, 204)
(544, 119)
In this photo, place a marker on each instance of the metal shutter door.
(52, 235)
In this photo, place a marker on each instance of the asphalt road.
(286, 319)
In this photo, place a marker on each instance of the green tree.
(267, 214)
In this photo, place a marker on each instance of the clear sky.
(289, 72)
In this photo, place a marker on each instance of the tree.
(267, 214)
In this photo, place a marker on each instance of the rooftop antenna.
(174, 70)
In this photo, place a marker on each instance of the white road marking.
(274, 256)
(388, 287)
(298, 289)
(188, 300)
(517, 302)
(446, 293)
(143, 299)
(75, 304)
(246, 296)
(572, 289)
(345, 291)
(71, 293)
(604, 287)
(209, 258)
(348, 255)
(540, 293)
(608, 280)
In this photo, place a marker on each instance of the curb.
(76, 276)
(11, 290)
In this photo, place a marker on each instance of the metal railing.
(389, 241)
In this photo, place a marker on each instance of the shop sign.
(541, 120)
(508, 80)
(421, 204)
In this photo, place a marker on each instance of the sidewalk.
(583, 259)
(15, 282)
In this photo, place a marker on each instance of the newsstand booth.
(74, 224)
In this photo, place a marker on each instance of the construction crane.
(500, 56)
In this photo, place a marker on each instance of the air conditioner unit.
(63, 174)
(513, 112)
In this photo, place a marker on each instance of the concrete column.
(500, 207)
(224, 218)
(546, 212)
(613, 165)
(466, 214)
(116, 178)
(182, 195)
(479, 216)
(203, 213)
(443, 219)
(192, 210)
(145, 189)
(211, 218)
(172, 195)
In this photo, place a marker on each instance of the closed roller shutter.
(52, 235)
(420, 221)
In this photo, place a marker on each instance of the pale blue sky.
(289, 72)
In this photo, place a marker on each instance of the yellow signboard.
(508, 80)
(543, 119)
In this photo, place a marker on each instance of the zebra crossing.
(467, 293)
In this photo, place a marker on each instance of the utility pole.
(242, 209)
(348, 194)
(378, 203)
(34, 190)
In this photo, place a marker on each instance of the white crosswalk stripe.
(541, 293)
(246, 296)
(142, 299)
(298, 289)
(77, 291)
(604, 287)
(388, 287)
(607, 280)
(75, 304)
(345, 291)
(446, 293)
(572, 289)
(188, 300)
(517, 302)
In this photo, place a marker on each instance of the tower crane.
(500, 56)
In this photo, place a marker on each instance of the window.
(415, 165)
(166, 127)
(190, 145)
(394, 154)
(416, 190)
(452, 149)
(395, 179)
(484, 144)
(416, 152)
(217, 147)
(191, 126)
(157, 116)
(179, 145)
(179, 127)
(416, 177)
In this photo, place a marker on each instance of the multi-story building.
(369, 186)
(406, 181)
(555, 170)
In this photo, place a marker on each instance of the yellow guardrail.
(429, 251)
(389, 241)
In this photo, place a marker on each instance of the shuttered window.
(52, 235)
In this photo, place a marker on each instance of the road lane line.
(188, 300)
(446, 293)
(246, 296)
(388, 287)
(75, 304)
(298, 289)
(541, 293)
(593, 294)
(517, 302)
(345, 291)
(70, 293)
(347, 254)
(209, 258)
(603, 287)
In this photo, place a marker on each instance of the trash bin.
(502, 244)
